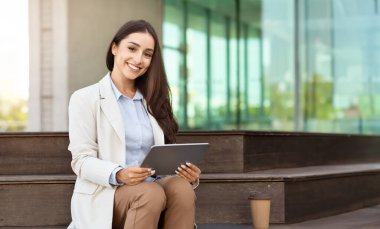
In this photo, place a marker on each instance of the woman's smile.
(133, 67)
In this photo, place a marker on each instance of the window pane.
(196, 62)
(343, 68)
(218, 72)
(278, 60)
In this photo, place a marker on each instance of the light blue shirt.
(137, 127)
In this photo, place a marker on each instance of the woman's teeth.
(133, 67)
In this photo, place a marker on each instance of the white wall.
(92, 25)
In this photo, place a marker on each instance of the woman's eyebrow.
(134, 43)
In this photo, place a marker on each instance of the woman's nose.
(137, 58)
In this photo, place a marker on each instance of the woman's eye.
(149, 55)
(131, 49)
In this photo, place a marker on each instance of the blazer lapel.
(109, 106)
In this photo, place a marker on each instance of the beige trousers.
(170, 201)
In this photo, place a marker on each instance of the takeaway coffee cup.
(260, 210)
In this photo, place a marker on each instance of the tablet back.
(165, 159)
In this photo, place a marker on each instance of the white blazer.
(97, 145)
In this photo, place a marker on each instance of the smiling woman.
(112, 126)
(14, 65)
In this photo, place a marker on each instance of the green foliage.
(319, 98)
(282, 103)
(13, 115)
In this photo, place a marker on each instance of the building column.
(48, 66)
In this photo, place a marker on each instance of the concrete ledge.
(34, 153)
(230, 151)
(298, 194)
(309, 176)
(35, 204)
(297, 174)
(37, 179)
(40, 227)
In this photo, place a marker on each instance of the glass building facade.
(286, 65)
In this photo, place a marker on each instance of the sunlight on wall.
(14, 46)
(14, 64)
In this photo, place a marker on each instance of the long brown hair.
(153, 84)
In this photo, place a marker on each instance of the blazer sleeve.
(83, 140)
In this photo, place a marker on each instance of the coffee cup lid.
(260, 196)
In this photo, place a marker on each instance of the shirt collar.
(118, 94)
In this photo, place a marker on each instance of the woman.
(112, 125)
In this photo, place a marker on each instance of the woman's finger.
(190, 171)
(138, 172)
(183, 175)
(187, 173)
(193, 167)
(193, 170)
(134, 175)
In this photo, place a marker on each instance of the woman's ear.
(114, 48)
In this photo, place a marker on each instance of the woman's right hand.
(133, 175)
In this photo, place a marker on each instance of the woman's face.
(133, 55)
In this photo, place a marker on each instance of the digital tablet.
(165, 159)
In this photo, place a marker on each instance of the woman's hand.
(133, 175)
(189, 171)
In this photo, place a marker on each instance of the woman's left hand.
(189, 171)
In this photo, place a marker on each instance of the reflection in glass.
(275, 65)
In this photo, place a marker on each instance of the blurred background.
(274, 65)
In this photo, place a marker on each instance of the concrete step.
(41, 227)
(365, 218)
(309, 176)
(34, 153)
(299, 194)
(35, 200)
(246, 151)
(230, 151)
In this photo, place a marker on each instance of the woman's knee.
(145, 194)
(153, 195)
(180, 190)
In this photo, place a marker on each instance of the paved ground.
(366, 218)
